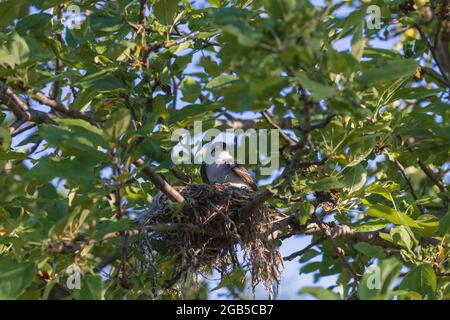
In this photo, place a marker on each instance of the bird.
(225, 170)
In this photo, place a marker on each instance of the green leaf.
(191, 89)
(159, 106)
(429, 225)
(117, 124)
(385, 212)
(326, 184)
(11, 155)
(221, 81)
(15, 277)
(279, 9)
(97, 83)
(190, 111)
(444, 224)
(5, 140)
(232, 21)
(421, 279)
(320, 293)
(215, 3)
(75, 137)
(369, 250)
(310, 267)
(33, 23)
(383, 190)
(358, 48)
(11, 10)
(164, 11)
(376, 282)
(318, 90)
(233, 280)
(91, 287)
(102, 82)
(369, 226)
(16, 52)
(74, 171)
(354, 178)
(360, 148)
(308, 255)
(414, 93)
(105, 227)
(389, 71)
(105, 23)
(400, 236)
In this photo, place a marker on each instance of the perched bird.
(225, 170)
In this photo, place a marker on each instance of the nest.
(214, 209)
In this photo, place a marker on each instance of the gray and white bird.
(225, 170)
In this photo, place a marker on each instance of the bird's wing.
(204, 174)
(244, 175)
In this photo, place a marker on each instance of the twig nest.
(218, 235)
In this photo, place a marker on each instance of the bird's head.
(219, 151)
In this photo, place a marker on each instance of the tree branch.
(236, 123)
(58, 63)
(283, 134)
(428, 172)
(20, 109)
(302, 252)
(408, 182)
(69, 247)
(433, 52)
(60, 107)
(159, 182)
(325, 230)
(433, 74)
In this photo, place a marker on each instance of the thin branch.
(236, 123)
(322, 124)
(22, 130)
(14, 126)
(302, 252)
(20, 109)
(283, 134)
(142, 31)
(441, 17)
(58, 63)
(69, 247)
(159, 182)
(408, 182)
(121, 270)
(433, 74)
(307, 113)
(58, 106)
(428, 172)
(433, 51)
(175, 92)
(328, 235)
(142, 13)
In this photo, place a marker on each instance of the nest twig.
(215, 209)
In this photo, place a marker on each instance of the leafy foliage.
(366, 111)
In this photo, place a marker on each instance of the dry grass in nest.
(215, 208)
